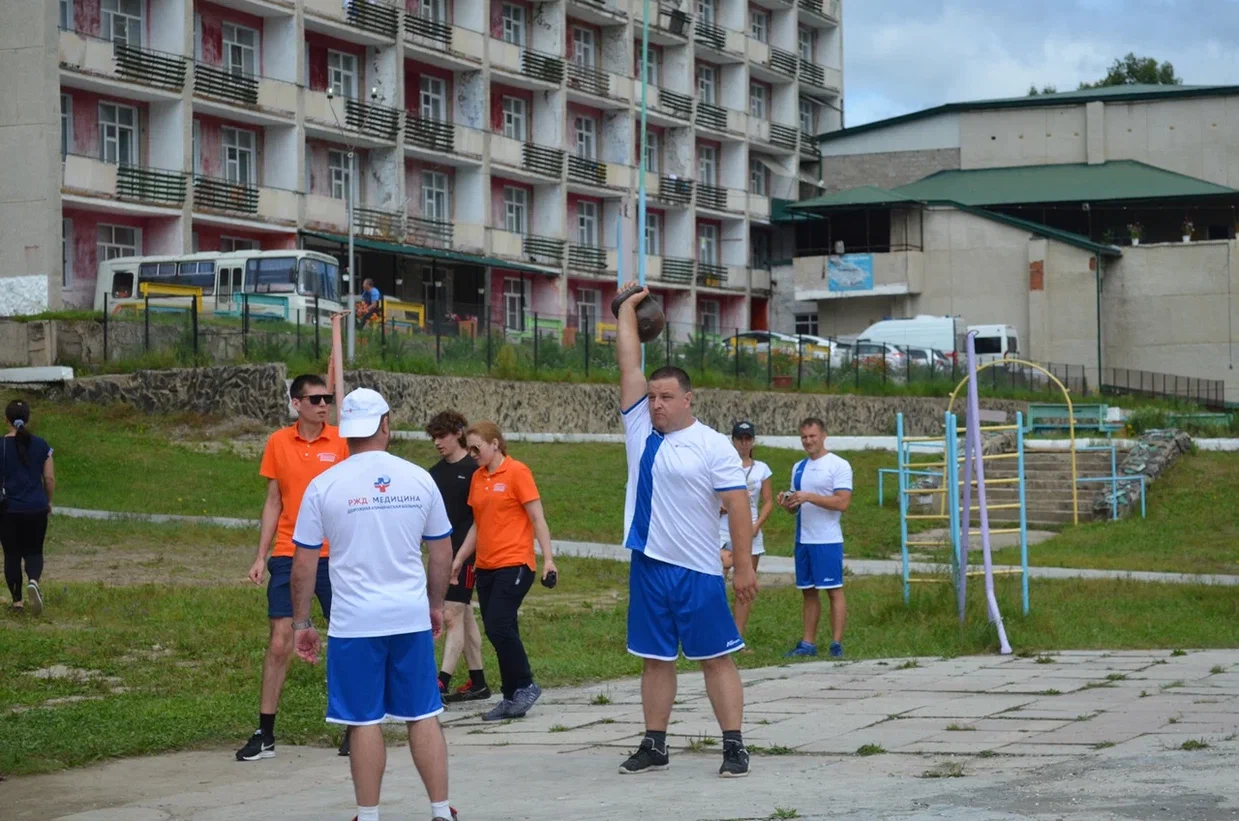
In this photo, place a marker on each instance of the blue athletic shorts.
(819, 565)
(670, 607)
(379, 677)
(280, 592)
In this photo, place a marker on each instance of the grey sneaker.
(523, 699)
(34, 598)
(499, 712)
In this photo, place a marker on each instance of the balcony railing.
(822, 8)
(421, 29)
(675, 190)
(586, 258)
(783, 137)
(710, 35)
(711, 116)
(587, 171)
(213, 81)
(783, 62)
(675, 105)
(134, 182)
(711, 196)
(375, 222)
(148, 67)
(372, 119)
(590, 80)
(543, 250)
(429, 232)
(809, 147)
(711, 275)
(602, 5)
(225, 195)
(812, 73)
(374, 17)
(544, 67)
(542, 160)
(433, 135)
(677, 269)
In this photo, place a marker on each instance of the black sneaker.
(735, 761)
(467, 692)
(256, 748)
(645, 760)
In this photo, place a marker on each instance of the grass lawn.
(177, 666)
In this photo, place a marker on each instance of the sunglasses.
(319, 399)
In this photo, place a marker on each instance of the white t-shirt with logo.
(755, 476)
(824, 475)
(672, 515)
(375, 509)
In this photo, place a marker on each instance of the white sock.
(438, 809)
(367, 813)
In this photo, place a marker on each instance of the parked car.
(942, 333)
(871, 354)
(761, 341)
(928, 358)
(995, 342)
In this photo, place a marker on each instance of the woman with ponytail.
(27, 481)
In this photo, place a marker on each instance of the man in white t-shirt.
(679, 474)
(821, 491)
(761, 502)
(376, 509)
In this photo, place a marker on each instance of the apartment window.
(433, 96)
(588, 307)
(757, 178)
(759, 250)
(587, 223)
(66, 124)
(513, 25)
(757, 100)
(707, 244)
(66, 15)
(66, 252)
(705, 84)
(806, 116)
(806, 324)
(116, 241)
(516, 295)
(238, 148)
(515, 210)
(705, 11)
(653, 153)
(653, 64)
(806, 44)
(514, 118)
(122, 22)
(586, 138)
(584, 48)
(118, 134)
(759, 25)
(341, 174)
(654, 234)
(708, 316)
(707, 165)
(435, 10)
(240, 50)
(435, 203)
(342, 74)
(231, 245)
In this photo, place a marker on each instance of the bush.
(1142, 420)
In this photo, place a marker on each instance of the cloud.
(905, 55)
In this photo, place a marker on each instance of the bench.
(1059, 417)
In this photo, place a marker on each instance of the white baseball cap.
(361, 413)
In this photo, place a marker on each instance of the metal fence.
(1208, 393)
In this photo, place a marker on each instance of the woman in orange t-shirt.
(507, 518)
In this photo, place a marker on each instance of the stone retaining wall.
(1153, 454)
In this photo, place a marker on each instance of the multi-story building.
(490, 145)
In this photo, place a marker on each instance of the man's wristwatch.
(303, 625)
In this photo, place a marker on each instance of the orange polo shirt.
(505, 531)
(293, 463)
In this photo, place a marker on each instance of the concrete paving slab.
(972, 706)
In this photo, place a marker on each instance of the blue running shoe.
(836, 650)
(802, 648)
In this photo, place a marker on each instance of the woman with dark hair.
(27, 481)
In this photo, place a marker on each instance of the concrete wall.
(1022, 136)
(1197, 137)
(941, 131)
(886, 169)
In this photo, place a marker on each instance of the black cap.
(742, 430)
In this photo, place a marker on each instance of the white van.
(995, 342)
(941, 333)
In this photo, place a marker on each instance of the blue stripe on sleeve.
(733, 487)
(433, 538)
(632, 407)
(318, 546)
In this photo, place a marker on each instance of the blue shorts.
(671, 606)
(819, 565)
(280, 591)
(379, 677)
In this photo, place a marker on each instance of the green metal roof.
(1067, 237)
(1072, 182)
(865, 195)
(429, 253)
(1108, 94)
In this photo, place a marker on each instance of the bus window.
(201, 274)
(156, 270)
(1013, 346)
(318, 277)
(122, 284)
(271, 275)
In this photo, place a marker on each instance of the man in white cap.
(375, 509)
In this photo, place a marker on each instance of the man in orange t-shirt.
(294, 456)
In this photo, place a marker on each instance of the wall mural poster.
(850, 272)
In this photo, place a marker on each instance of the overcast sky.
(905, 55)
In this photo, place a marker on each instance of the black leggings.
(500, 592)
(22, 536)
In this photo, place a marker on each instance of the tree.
(1133, 70)
(1033, 92)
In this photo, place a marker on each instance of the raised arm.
(628, 351)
